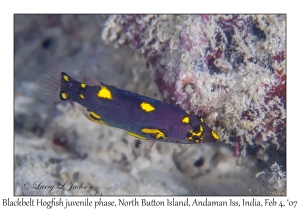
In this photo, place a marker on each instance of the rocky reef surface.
(229, 69)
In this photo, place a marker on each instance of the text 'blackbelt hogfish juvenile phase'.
(142, 117)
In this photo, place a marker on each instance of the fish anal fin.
(87, 114)
(84, 110)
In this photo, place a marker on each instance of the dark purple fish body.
(142, 117)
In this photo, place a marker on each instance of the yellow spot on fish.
(82, 85)
(97, 121)
(104, 92)
(81, 95)
(64, 95)
(196, 133)
(93, 114)
(66, 78)
(158, 133)
(94, 119)
(214, 135)
(136, 135)
(186, 120)
(147, 107)
(202, 120)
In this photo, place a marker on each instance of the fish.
(142, 117)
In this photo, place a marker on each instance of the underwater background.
(229, 69)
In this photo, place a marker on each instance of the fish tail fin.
(50, 86)
(50, 83)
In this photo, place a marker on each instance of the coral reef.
(230, 69)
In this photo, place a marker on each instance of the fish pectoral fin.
(145, 148)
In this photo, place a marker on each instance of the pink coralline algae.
(227, 68)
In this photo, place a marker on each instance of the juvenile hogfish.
(142, 117)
